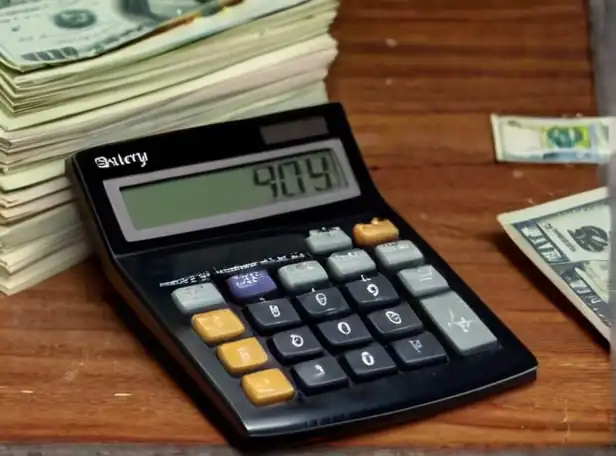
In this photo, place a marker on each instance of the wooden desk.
(419, 82)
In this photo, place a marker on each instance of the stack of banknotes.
(88, 72)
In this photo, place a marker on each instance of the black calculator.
(261, 256)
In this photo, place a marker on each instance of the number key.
(345, 332)
(395, 322)
(272, 316)
(369, 362)
(323, 304)
(372, 293)
(295, 344)
(319, 374)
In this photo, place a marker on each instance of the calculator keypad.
(362, 308)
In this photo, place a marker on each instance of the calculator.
(260, 254)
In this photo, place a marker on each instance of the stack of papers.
(103, 74)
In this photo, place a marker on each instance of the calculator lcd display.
(236, 189)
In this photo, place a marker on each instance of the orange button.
(242, 355)
(267, 387)
(374, 233)
(217, 325)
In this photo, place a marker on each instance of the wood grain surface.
(419, 80)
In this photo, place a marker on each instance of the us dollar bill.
(34, 33)
(568, 240)
(553, 140)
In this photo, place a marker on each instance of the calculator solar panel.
(300, 303)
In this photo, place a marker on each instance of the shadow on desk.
(519, 261)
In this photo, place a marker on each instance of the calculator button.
(463, 329)
(301, 277)
(217, 326)
(251, 285)
(242, 355)
(423, 281)
(345, 332)
(419, 351)
(350, 265)
(394, 256)
(267, 387)
(197, 298)
(369, 362)
(372, 293)
(295, 344)
(323, 304)
(376, 232)
(272, 316)
(319, 375)
(396, 322)
(325, 241)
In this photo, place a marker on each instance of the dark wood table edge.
(172, 450)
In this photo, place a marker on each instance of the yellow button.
(242, 355)
(376, 232)
(267, 387)
(217, 325)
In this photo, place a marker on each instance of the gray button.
(350, 264)
(301, 277)
(465, 332)
(322, 242)
(197, 298)
(422, 281)
(397, 255)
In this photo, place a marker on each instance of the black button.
(345, 332)
(272, 316)
(322, 304)
(372, 293)
(295, 344)
(419, 351)
(369, 362)
(396, 322)
(319, 375)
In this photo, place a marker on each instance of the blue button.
(251, 285)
